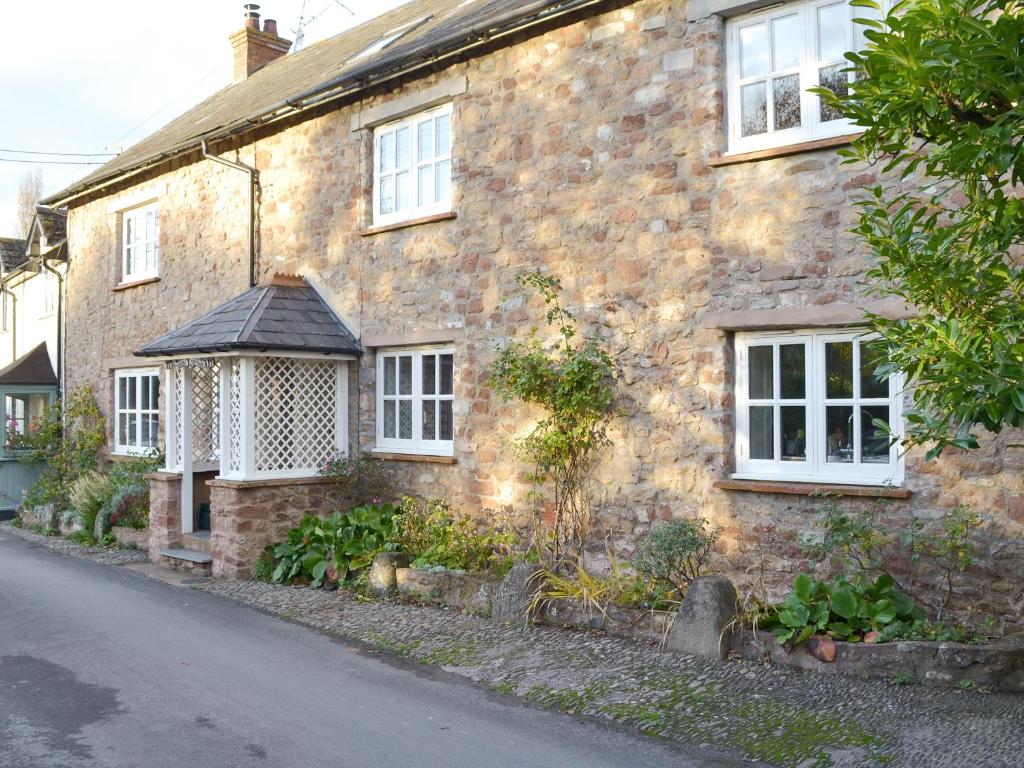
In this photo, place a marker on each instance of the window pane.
(133, 393)
(425, 185)
(122, 393)
(144, 381)
(447, 373)
(424, 140)
(754, 109)
(838, 434)
(389, 418)
(402, 191)
(129, 230)
(429, 419)
(405, 419)
(839, 369)
(787, 42)
(761, 385)
(429, 374)
(753, 51)
(402, 147)
(833, 27)
(122, 429)
(133, 430)
(443, 182)
(387, 152)
(835, 79)
(762, 432)
(874, 441)
(387, 194)
(792, 362)
(405, 375)
(443, 136)
(794, 432)
(786, 99)
(389, 375)
(870, 384)
(144, 424)
(154, 384)
(446, 429)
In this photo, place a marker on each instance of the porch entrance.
(194, 447)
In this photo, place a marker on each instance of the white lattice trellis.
(295, 402)
(177, 376)
(206, 414)
(234, 433)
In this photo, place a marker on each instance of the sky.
(78, 77)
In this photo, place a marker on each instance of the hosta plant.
(320, 550)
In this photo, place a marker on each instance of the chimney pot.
(252, 16)
(254, 48)
(270, 26)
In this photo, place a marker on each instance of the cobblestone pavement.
(762, 714)
(104, 555)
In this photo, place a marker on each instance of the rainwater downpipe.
(254, 180)
(60, 324)
(14, 318)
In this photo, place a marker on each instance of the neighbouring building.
(664, 159)
(31, 276)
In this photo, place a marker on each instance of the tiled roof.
(285, 315)
(33, 367)
(12, 253)
(54, 224)
(331, 66)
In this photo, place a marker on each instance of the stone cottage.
(663, 158)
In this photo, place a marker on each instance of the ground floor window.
(23, 412)
(415, 400)
(136, 410)
(810, 408)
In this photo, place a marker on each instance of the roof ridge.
(254, 318)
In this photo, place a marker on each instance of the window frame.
(811, 127)
(137, 214)
(7, 452)
(136, 375)
(816, 469)
(416, 209)
(415, 445)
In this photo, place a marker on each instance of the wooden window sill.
(426, 458)
(447, 216)
(135, 283)
(812, 489)
(789, 149)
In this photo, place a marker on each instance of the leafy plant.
(571, 381)
(431, 535)
(923, 629)
(938, 97)
(841, 609)
(89, 493)
(263, 569)
(331, 549)
(357, 479)
(950, 552)
(676, 553)
(129, 499)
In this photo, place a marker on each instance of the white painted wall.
(37, 315)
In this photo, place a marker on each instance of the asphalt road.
(100, 666)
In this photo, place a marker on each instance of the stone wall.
(164, 513)
(584, 151)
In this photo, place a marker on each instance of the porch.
(256, 401)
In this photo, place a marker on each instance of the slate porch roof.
(12, 253)
(285, 315)
(330, 68)
(31, 368)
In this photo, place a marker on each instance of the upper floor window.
(136, 410)
(809, 408)
(415, 398)
(773, 57)
(140, 251)
(412, 161)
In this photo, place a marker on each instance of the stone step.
(197, 540)
(181, 559)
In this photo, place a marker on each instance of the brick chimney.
(255, 48)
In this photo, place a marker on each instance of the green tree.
(938, 92)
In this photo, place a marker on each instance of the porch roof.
(32, 368)
(286, 314)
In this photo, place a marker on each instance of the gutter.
(254, 182)
(360, 79)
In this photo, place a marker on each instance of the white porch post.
(185, 460)
(247, 433)
(170, 427)
(224, 390)
(341, 407)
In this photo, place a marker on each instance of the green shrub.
(923, 629)
(431, 535)
(676, 553)
(841, 609)
(87, 496)
(263, 569)
(129, 498)
(317, 550)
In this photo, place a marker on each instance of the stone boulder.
(700, 625)
(382, 579)
(512, 600)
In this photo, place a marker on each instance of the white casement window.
(140, 243)
(773, 57)
(415, 398)
(412, 162)
(136, 410)
(809, 408)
